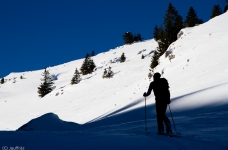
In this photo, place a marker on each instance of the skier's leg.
(159, 118)
(166, 120)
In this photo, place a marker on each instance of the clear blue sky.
(35, 34)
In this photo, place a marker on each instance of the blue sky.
(35, 34)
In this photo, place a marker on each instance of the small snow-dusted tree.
(2, 81)
(154, 60)
(105, 73)
(122, 58)
(91, 65)
(47, 85)
(150, 75)
(21, 77)
(142, 56)
(76, 78)
(108, 74)
(87, 66)
(171, 56)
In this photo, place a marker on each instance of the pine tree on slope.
(162, 42)
(191, 18)
(105, 73)
(84, 68)
(216, 11)
(154, 60)
(169, 24)
(76, 78)
(122, 58)
(178, 24)
(137, 37)
(110, 73)
(93, 53)
(88, 65)
(91, 65)
(172, 25)
(225, 8)
(2, 81)
(128, 38)
(45, 87)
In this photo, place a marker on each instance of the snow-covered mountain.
(198, 79)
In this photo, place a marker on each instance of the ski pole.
(172, 119)
(145, 116)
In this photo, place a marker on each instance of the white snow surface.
(102, 113)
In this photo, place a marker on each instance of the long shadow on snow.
(136, 116)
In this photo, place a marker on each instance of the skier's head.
(156, 76)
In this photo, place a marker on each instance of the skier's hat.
(157, 75)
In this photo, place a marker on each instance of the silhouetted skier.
(160, 87)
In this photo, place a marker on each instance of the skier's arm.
(149, 90)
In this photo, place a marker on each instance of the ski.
(172, 135)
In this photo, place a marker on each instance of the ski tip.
(178, 133)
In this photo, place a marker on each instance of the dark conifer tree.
(93, 53)
(137, 37)
(150, 75)
(191, 18)
(122, 58)
(88, 65)
(162, 42)
(128, 38)
(85, 65)
(142, 56)
(225, 8)
(91, 65)
(216, 11)
(156, 33)
(2, 81)
(47, 85)
(178, 24)
(172, 25)
(154, 60)
(169, 23)
(110, 73)
(76, 78)
(200, 21)
(105, 73)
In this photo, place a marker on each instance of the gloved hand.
(144, 94)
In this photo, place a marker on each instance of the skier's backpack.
(164, 85)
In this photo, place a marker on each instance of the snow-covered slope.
(198, 78)
(200, 67)
(92, 98)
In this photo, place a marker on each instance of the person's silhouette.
(160, 88)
